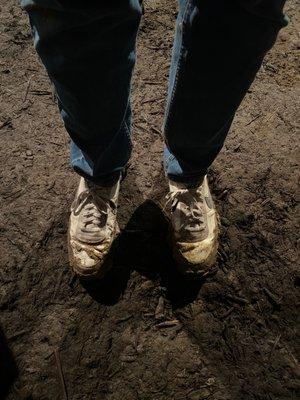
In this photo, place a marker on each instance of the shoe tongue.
(103, 193)
(176, 186)
(182, 186)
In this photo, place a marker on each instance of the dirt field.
(233, 337)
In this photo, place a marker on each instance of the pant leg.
(219, 47)
(88, 49)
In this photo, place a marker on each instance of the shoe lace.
(93, 212)
(190, 207)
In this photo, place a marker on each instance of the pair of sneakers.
(93, 227)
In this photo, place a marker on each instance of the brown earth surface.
(234, 336)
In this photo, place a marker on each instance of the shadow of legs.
(8, 369)
(133, 250)
(143, 246)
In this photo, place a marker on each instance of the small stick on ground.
(253, 119)
(168, 324)
(7, 122)
(160, 309)
(40, 92)
(227, 313)
(27, 88)
(237, 299)
(61, 375)
(58, 283)
(274, 345)
(124, 319)
(271, 297)
(19, 333)
(72, 281)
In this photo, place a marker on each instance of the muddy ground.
(233, 335)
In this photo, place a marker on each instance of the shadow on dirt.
(142, 246)
(8, 368)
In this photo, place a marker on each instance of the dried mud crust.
(144, 333)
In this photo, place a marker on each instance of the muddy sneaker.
(92, 228)
(194, 227)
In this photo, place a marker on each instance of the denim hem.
(189, 180)
(104, 181)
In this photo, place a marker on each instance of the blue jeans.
(88, 49)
